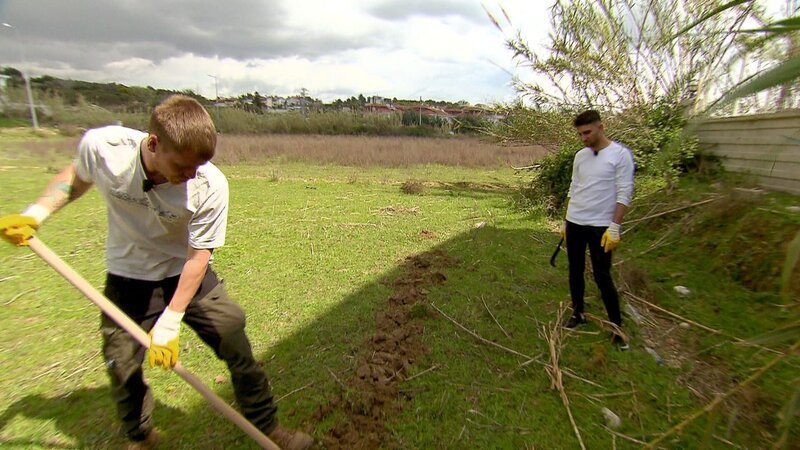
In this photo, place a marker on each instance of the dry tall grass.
(358, 151)
(363, 151)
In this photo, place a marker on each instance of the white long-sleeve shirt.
(600, 181)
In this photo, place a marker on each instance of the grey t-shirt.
(149, 233)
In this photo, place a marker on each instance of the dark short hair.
(587, 117)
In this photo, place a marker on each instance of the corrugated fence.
(767, 146)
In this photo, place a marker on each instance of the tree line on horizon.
(122, 98)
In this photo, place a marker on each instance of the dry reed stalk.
(482, 339)
(721, 398)
(624, 436)
(613, 394)
(494, 318)
(528, 359)
(19, 295)
(697, 324)
(658, 243)
(337, 379)
(627, 229)
(608, 326)
(628, 222)
(568, 372)
(553, 336)
(636, 409)
(433, 367)
(294, 392)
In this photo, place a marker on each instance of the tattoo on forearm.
(63, 187)
(57, 194)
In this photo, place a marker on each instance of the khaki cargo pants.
(217, 320)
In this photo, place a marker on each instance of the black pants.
(578, 237)
(217, 320)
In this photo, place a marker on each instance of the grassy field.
(359, 297)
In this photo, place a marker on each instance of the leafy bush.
(550, 184)
(656, 137)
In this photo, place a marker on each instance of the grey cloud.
(248, 84)
(87, 33)
(403, 9)
(66, 55)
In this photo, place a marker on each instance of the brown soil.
(373, 391)
(427, 234)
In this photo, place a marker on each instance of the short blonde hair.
(185, 125)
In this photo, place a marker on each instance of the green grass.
(7, 122)
(308, 254)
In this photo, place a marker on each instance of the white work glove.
(38, 212)
(611, 238)
(164, 339)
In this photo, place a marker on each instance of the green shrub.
(550, 184)
(654, 134)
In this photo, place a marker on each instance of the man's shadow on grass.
(85, 418)
(308, 367)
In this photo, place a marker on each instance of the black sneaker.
(574, 321)
(620, 343)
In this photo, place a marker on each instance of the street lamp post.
(216, 91)
(26, 77)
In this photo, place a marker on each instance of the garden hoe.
(139, 334)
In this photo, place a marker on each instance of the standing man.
(600, 191)
(167, 212)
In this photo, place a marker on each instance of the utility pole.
(303, 95)
(26, 77)
(216, 92)
(420, 110)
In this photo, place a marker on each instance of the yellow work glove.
(164, 339)
(611, 237)
(563, 230)
(17, 228)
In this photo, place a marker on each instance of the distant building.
(381, 108)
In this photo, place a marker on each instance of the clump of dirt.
(412, 187)
(427, 234)
(372, 392)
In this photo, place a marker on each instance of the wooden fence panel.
(766, 145)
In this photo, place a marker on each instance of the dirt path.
(373, 392)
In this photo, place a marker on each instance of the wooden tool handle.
(125, 322)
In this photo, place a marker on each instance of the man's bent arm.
(191, 276)
(62, 189)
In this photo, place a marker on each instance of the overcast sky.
(441, 49)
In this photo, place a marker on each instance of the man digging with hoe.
(167, 212)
